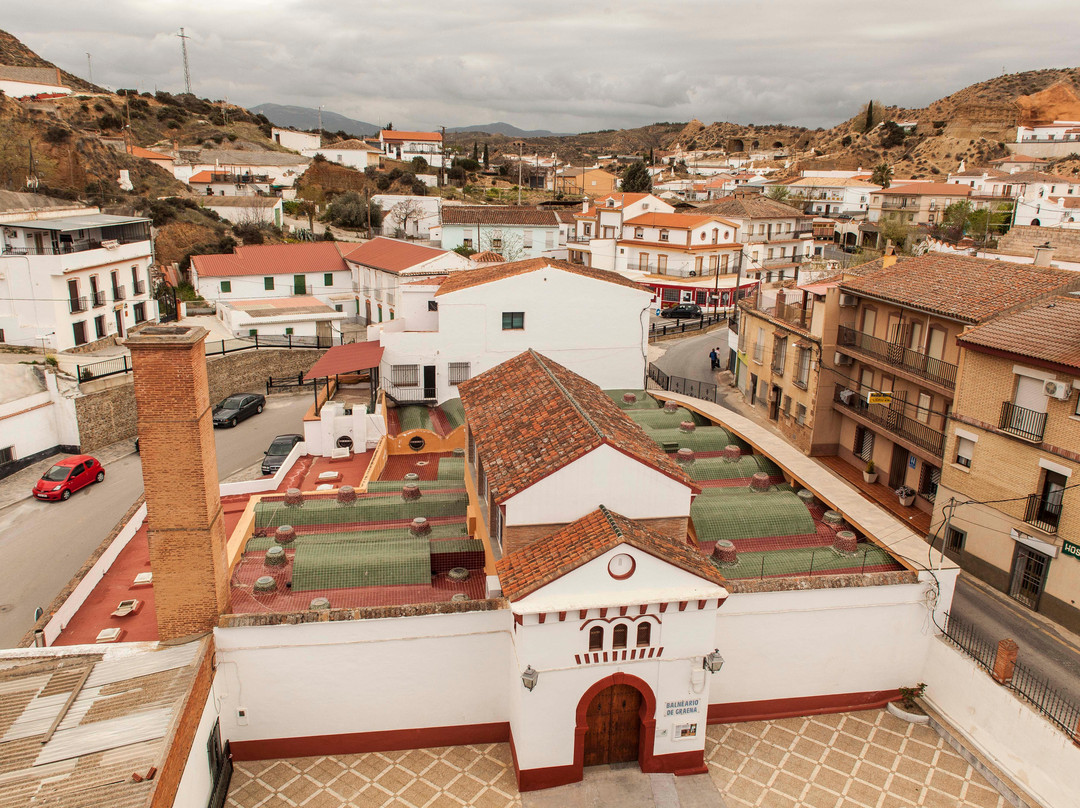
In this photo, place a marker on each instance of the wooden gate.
(614, 726)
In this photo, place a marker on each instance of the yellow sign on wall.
(879, 398)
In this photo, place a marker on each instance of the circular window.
(344, 442)
(621, 566)
(416, 443)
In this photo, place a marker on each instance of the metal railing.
(77, 304)
(408, 392)
(706, 391)
(920, 364)
(893, 421)
(119, 293)
(1022, 422)
(122, 364)
(682, 326)
(1058, 708)
(99, 298)
(1043, 512)
(138, 287)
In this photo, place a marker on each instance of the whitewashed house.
(598, 226)
(408, 216)
(277, 272)
(353, 153)
(37, 416)
(246, 209)
(230, 183)
(281, 169)
(776, 238)
(69, 277)
(513, 232)
(405, 146)
(295, 140)
(20, 82)
(384, 265)
(454, 327)
(297, 316)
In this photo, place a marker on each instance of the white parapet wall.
(264, 484)
(1037, 755)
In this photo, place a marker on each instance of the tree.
(486, 163)
(349, 210)
(508, 245)
(882, 175)
(405, 211)
(636, 179)
(309, 209)
(891, 135)
(419, 165)
(475, 151)
(894, 230)
(778, 193)
(869, 115)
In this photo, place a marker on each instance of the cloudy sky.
(563, 66)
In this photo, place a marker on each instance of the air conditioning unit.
(1059, 390)
(843, 360)
(849, 301)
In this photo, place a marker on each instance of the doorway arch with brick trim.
(646, 717)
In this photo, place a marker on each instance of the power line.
(183, 50)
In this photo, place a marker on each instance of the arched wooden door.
(614, 726)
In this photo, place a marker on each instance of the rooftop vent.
(109, 635)
(285, 534)
(687, 426)
(685, 457)
(725, 554)
(410, 492)
(294, 498)
(458, 574)
(807, 496)
(346, 495)
(127, 607)
(458, 597)
(760, 482)
(412, 477)
(420, 526)
(847, 543)
(629, 398)
(732, 452)
(143, 579)
(265, 584)
(671, 406)
(319, 604)
(275, 556)
(458, 452)
(833, 519)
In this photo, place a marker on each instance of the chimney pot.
(265, 584)
(725, 554)
(294, 498)
(285, 534)
(275, 556)
(687, 426)
(760, 482)
(732, 453)
(346, 495)
(420, 526)
(685, 457)
(846, 542)
(833, 519)
(410, 492)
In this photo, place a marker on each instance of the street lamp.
(712, 662)
(529, 677)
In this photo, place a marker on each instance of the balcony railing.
(69, 247)
(138, 287)
(99, 298)
(1043, 512)
(1022, 422)
(893, 421)
(119, 293)
(920, 364)
(899, 204)
(77, 304)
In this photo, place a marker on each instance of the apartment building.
(516, 233)
(896, 356)
(775, 238)
(598, 226)
(71, 276)
(917, 203)
(1014, 441)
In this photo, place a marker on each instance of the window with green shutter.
(328, 279)
(513, 320)
(268, 283)
(288, 332)
(226, 286)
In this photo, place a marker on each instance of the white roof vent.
(143, 579)
(109, 635)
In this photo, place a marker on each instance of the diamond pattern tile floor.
(867, 759)
(443, 777)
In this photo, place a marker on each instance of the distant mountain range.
(308, 118)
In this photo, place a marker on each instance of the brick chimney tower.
(185, 522)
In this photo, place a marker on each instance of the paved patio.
(865, 759)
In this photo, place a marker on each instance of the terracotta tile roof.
(968, 289)
(1019, 158)
(352, 144)
(1036, 176)
(498, 214)
(530, 417)
(487, 257)
(201, 176)
(927, 189)
(139, 151)
(497, 272)
(1047, 330)
(392, 255)
(750, 207)
(271, 259)
(683, 221)
(393, 136)
(545, 560)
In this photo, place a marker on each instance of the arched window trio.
(620, 636)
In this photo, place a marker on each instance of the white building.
(281, 168)
(277, 272)
(413, 216)
(514, 232)
(597, 228)
(405, 146)
(37, 416)
(228, 183)
(776, 238)
(297, 316)
(678, 244)
(352, 153)
(384, 265)
(451, 328)
(20, 82)
(71, 277)
(830, 196)
(246, 209)
(294, 140)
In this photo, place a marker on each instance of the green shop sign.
(1068, 548)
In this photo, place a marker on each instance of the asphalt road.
(1051, 651)
(43, 544)
(689, 356)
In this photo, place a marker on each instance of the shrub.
(349, 210)
(57, 134)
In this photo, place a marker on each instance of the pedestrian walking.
(714, 359)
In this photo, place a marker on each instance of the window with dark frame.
(644, 634)
(954, 540)
(596, 638)
(964, 450)
(513, 320)
(928, 481)
(458, 372)
(328, 279)
(433, 305)
(618, 636)
(405, 375)
(7, 454)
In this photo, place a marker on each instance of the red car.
(67, 476)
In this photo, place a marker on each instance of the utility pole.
(521, 145)
(89, 67)
(442, 162)
(183, 49)
(320, 125)
(367, 207)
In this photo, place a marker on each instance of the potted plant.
(906, 495)
(907, 708)
(870, 473)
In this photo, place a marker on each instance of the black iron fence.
(1060, 709)
(1043, 512)
(923, 365)
(893, 420)
(682, 326)
(1021, 421)
(706, 391)
(122, 364)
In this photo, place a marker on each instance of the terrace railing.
(1022, 422)
(919, 364)
(891, 420)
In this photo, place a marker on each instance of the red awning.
(342, 359)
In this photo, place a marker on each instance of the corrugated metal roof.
(69, 223)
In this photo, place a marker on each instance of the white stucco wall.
(21, 89)
(253, 287)
(195, 786)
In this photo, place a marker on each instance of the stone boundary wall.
(108, 415)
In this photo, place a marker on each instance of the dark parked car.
(682, 310)
(236, 408)
(278, 451)
(67, 476)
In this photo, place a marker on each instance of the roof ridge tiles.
(568, 395)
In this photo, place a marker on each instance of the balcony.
(893, 421)
(899, 204)
(119, 293)
(1022, 422)
(138, 287)
(919, 364)
(99, 299)
(76, 246)
(1043, 512)
(77, 304)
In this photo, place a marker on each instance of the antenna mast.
(183, 49)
